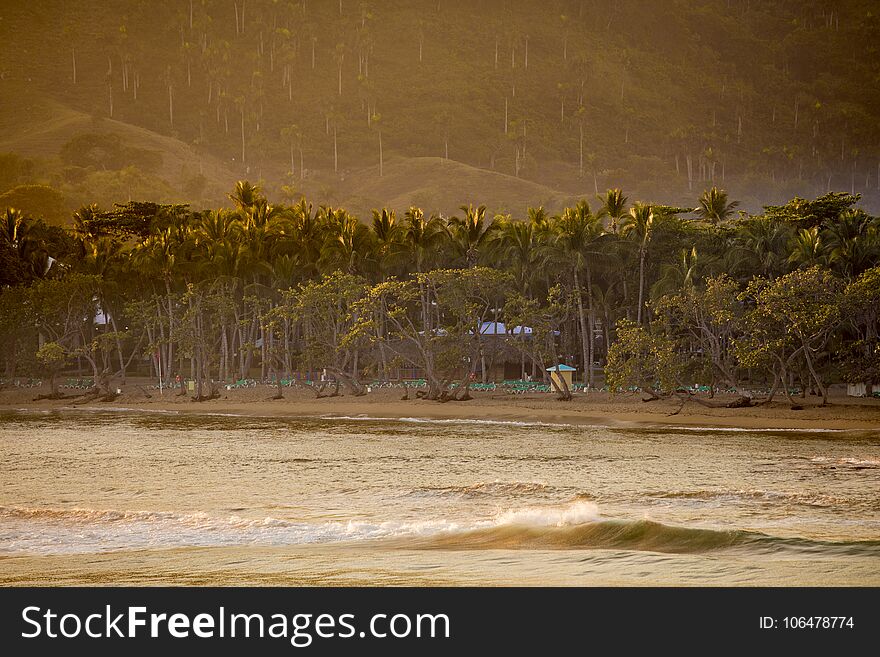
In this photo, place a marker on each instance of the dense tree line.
(655, 297)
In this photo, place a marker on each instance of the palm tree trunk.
(641, 285)
(119, 349)
(582, 320)
(815, 375)
(591, 326)
(170, 350)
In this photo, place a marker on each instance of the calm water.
(161, 499)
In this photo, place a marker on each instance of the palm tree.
(760, 245)
(808, 248)
(471, 235)
(678, 276)
(24, 238)
(421, 237)
(638, 226)
(294, 136)
(852, 241)
(348, 245)
(714, 206)
(388, 240)
(262, 226)
(613, 205)
(301, 237)
(218, 236)
(577, 237)
(245, 196)
(157, 256)
(84, 230)
(521, 247)
(104, 257)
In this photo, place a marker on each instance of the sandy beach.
(595, 408)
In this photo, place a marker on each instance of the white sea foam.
(576, 513)
(83, 531)
(429, 420)
(852, 462)
(120, 409)
(757, 430)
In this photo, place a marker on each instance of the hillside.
(767, 99)
(156, 166)
(432, 182)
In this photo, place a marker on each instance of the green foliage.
(51, 356)
(790, 322)
(860, 358)
(136, 219)
(287, 288)
(808, 214)
(642, 359)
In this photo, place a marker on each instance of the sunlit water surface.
(122, 498)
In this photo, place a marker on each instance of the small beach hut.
(566, 372)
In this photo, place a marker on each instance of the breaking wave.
(576, 525)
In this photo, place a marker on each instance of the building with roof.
(562, 372)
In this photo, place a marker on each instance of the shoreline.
(593, 409)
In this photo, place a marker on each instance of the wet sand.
(602, 409)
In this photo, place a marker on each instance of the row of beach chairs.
(21, 383)
(78, 384)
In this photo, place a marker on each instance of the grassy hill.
(767, 99)
(38, 127)
(432, 182)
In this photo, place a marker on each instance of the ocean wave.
(575, 525)
(487, 489)
(847, 462)
(806, 499)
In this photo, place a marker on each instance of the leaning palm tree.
(614, 206)
(471, 234)
(638, 226)
(714, 206)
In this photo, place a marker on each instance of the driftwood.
(319, 391)
(214, 394)
(685, 396)
(58, 395)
